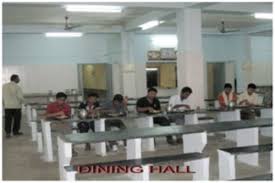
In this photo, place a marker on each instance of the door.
(217, 75)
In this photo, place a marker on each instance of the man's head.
(118, 99)
(185, 92)
(61, 98)
(15, 78)
(227, 88)
(251, 87)
(152, 93)
(92, 98)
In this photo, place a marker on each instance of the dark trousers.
(12, 115)
(84, 127)
(162, 121)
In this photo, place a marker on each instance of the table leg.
(64, 159)
(34, 130)
(100, 148)
(194, 142)
(200, 167)
(39, 142)
(144, 175)
(29, 114)
(148, 144)
(133, 148)
(47, 137)
(248, 137)
(229, 116)
(267, 131)
(227, 167)
(191, 119)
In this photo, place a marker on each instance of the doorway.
(219, 73)
(96, 78)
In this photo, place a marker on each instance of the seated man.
(181, 101)
(227, 96)
(150, 103)
(249, 97)
(91, 105)
(59, 109)
(118, 106)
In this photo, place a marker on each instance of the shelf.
(161, 61)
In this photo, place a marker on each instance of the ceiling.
(235, 15)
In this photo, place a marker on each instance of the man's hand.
(150, 109)
(61, 117)
(60, 113)
(245, 102)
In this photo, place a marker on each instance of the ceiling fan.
(222, 28)
(68, 26)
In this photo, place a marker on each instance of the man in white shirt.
(249, 97)
(181, 101)
(13, 100)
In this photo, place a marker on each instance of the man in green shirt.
(13, 100)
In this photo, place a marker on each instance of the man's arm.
(19, 95)
(182, 105)
(242, 100)
(141, 108)
(50, 115)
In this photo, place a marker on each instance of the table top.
(249, 149)
(132, 133)
(258, 177)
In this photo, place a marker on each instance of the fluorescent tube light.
(263, 15)
(150, 24)
(93, 8)
(151, 69)
(63, 34)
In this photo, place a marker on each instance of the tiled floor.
(21, 161)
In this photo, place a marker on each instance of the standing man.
(13, 100)
(181, 101)
(227, 96)
(149, 104)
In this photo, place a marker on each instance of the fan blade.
(233, 30)
(70, 27)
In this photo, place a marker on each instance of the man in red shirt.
(59, 109)
(227, 96)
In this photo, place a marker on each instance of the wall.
(34, 56)
(37, 49)
(40, 78)
(252, 57)
(261, 56)
(242, 50)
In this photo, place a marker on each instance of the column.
(128, 72)
(190, 64)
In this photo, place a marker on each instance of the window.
(152, 77)
(162, 75)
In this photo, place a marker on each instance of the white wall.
(37, 49)
(21, 53)
(242, 50)
(261, 55)
(36, 78)
(51, 64)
